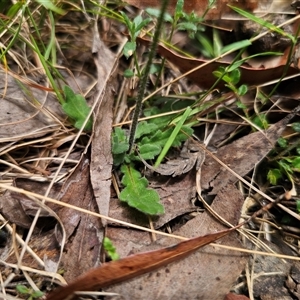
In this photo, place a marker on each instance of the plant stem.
(144, 78)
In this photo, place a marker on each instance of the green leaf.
(149, 151)
(137, 195)
(242, 90)
(119, 146)
(22, 289)
(155, 68)
(140, 24)
(282, 142)
(261, 121)
(110, 249)
(154, 12)
(296, 126)
(76, 109)
(286, 167)
(296, 163)
(235, 76)
(236, 46)
(128, 73)
(120, 141)
(241, 105)
(262, 22)
(14, 9)
(187, 26)
(298, 206)
(208, 49)
(172, 137)
(179, 9)
(274, 175)
(129, 49)
(128, 23)
(145, 128)
(37, 294)
(48, 4)
(217, 43)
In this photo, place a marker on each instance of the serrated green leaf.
(129, 49)
(76, 109)
(145, 128)
(273, 176)
(137, 195)
(149, 151)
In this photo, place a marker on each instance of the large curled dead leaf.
(219, 8)
(204, 76)
(132, 266)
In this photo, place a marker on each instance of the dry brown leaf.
(194, 277)
(18, 209)
(24, 111)
(220, 8)
(189, 156)
(241, 156)
(101, 157)
(204, 76)
(132, 266)
(84, 232)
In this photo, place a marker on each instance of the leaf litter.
(217, 186)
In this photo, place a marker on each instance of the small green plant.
(136, 194)
(231, 79)
(110, 249)
(286, 159)
(76, 108)
(152, 137)
(30, 293)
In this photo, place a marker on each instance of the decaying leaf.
(19, 209)
(25, 109)
(84, 232)
(241, 155)
(101, 157)
(219, 267)
(219, 8)
(204, 76)
(189, 156)
(132, 266)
